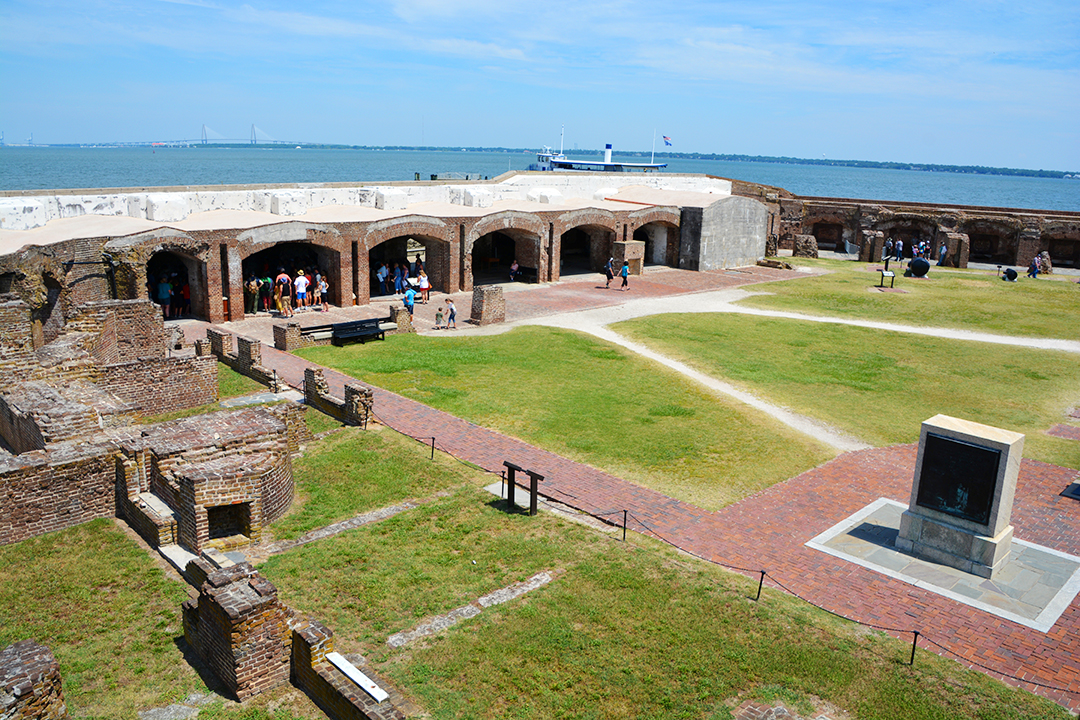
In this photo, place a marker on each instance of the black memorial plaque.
(958, 478)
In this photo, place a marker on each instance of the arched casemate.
(495, 241)
(583, 241)
(142, 262)
(658, 228)
(292, 246)
(401, 240)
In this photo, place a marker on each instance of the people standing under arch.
(425, 286)
(163, 295)
(251, 295)
(399, 278)
(324, 292)
(266, 288)
(300, 285)
(283, 292)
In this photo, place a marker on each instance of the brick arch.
(437, 237)
(258, 239)
(510, 222)
(671, 216)
(586, 216)
(379, 232)
(130, 256)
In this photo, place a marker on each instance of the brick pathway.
(768, 530)
(1069, 432)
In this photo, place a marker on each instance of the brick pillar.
(249, 351)
(488, 306)
(632, 251)
(221, 343)
(241, 629)
(30, 684)
(401, 317)
(202, 348)
(359, 401)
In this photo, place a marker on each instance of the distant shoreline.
(769, 159)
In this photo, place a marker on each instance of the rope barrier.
(600, 515)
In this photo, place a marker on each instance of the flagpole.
(652, 155)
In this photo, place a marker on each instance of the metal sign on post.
(534, 490)
(510, 484)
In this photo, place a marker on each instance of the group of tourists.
(894, 249)
(173, 294)
(402, 275)
(269, 293)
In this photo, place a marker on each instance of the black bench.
(362, 330)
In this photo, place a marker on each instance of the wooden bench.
(362, 330)
(887, 274)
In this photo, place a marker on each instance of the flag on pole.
(667, 140)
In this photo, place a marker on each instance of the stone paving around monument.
(770, 531)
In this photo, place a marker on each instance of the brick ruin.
(253, 642)
(30, 687)
(998, 236)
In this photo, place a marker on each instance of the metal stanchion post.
(914, 643)
(624, 525)
(760, 583)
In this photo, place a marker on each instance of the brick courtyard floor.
(767, 531)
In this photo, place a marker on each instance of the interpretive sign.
(962, 495)
(958, 478)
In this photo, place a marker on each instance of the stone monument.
(962, 496)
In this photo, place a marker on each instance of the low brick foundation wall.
(30, 686)
(337, 695)
(355, 409)
(159, 385)
(289, 337)
(247, 360)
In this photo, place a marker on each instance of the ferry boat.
(547, 160)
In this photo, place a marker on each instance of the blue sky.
(955, 82)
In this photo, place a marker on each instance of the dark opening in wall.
(228, 520)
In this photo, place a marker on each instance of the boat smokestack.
(607, 153)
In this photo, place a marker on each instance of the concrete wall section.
(733, 232)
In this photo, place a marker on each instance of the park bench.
(362, 330)
(887, 274)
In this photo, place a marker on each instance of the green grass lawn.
(969, 299)
(107, 612)
(878, 385)
(626, 630)
(589, 401)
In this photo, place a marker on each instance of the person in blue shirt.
(410, 298)
(625, 274)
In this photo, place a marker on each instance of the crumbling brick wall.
(488, 305)
(30, 684)
(55, 489)
(162, 385)
(247, 360)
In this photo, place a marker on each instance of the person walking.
(451, 315)
(609, 272)
(942, 253)
(899, 250)
(1034, 267)
(410, 299)
(624, 273)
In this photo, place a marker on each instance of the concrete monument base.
(953, 546)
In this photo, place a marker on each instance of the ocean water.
(43, 168)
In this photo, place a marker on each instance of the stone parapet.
(356, 408)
